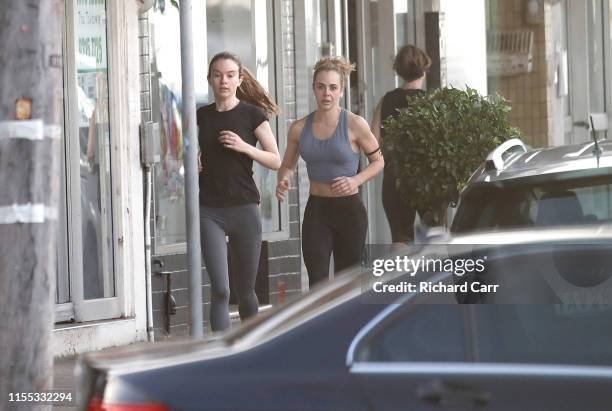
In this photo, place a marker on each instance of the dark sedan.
(340, 347)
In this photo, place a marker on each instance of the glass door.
(376, 30)
(248, 29)
(588, 60)
(86, 278)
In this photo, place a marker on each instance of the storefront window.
(169, 173)
(404, 26)
(219, 26)
(94, 153)
(548, 59)
(230, 27)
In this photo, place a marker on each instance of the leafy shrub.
(436, 143)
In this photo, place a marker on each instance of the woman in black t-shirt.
(229, 130)
(411, 64)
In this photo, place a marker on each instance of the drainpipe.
(148, 189)
(191, 170)
(148, 141)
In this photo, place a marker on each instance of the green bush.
(439, 140)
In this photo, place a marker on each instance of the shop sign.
(90, 30)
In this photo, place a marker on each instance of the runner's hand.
(344, 185)
(233, 141)
(281, 188)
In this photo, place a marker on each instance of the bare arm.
(290, 160)
(267, 156)
(369, 145)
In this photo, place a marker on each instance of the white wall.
(466, 52)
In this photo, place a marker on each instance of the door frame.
(79, 309)
(578, 60)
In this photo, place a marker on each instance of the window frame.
(277, 89)
(403, 306)
(275, 67)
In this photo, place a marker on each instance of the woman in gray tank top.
(330, 141)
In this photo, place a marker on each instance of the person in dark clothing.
(330, 140)
(229, 130)
(411, 64)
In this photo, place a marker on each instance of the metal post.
(191, 170)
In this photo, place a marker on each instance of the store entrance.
(86, 284)
(588, 45)
(375, 31)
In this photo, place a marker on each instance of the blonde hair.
(338, 64)
(249, 90)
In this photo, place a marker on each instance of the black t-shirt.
(227, 178)
(392, 101)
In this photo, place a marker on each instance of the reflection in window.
(424, 333)
(166, 87)
(94, 142)
(169, 173)
(228, 25)
(562, 329)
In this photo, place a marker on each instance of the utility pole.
(30, 137)
(192, 205)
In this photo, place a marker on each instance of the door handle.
(440, 393)
(582, 123)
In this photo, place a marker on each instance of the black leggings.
(399, 214)
(332, 224)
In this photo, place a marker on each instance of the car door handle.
(440, 393)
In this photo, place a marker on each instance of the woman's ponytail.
(252, 92)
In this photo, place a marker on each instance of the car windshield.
(524, 205)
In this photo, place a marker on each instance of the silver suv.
(518, 187)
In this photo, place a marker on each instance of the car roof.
(554, 163)
(574, 234)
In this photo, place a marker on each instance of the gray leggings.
(242, 225)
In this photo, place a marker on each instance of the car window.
(506, 333)
(596, 202)
(543, 334)
(422, 333)
(551, 204)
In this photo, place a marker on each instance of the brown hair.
(250, 90)
(411, 63)
(338, 64)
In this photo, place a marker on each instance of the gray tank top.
(330, 158)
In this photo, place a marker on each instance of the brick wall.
(529, 94)
(285, 256)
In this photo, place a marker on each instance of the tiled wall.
(285, 256)
(529, 94)
(282, 267)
